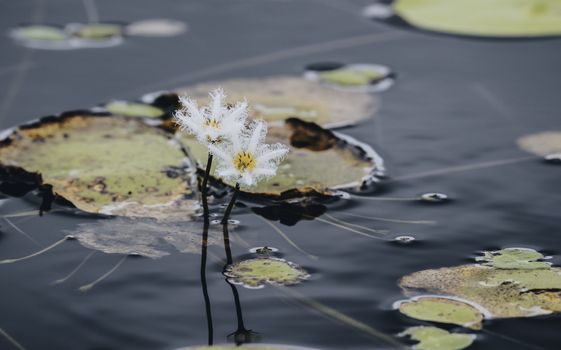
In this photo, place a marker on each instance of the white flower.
(246, 159)
(214, 123)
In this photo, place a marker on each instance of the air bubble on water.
(404, 239)
(434, 197)
(553, 158)
(263, 250)
(233, 222)
(215, 222)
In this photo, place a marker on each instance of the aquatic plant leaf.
(132, 109)
(541, 144)
(309, 167)
(98, 31)
(156, 28)
(40, 32)
(146, 237)
(101, 164)
(514, 258)
(433, 338)
(348, 76)
(278, 98)
(257, 272)
(444, 310)
(502, 293)
(495, 18)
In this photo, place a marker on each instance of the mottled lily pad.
(444, 310)
(255, 273)
(132, 109)
(247, 347)
(308, 169)
(488, 18)
(278, 98)
(541, 144)
(514, 258)
(501, 293)
(433, 338)
(101, 164)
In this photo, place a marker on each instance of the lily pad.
(433, 338)
(353, 77)
(96, 31)
(514, 258)
(541, 144)
(101, 164)
(40, 32)
(132, 109)
(502, 293)
(281, 97)
(255, 273)
(308, 169)
(488, 18)
(444, 310)
(156, 28)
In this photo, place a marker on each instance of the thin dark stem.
(205, 184)
(231, 204)
(208, 309)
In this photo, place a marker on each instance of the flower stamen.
(244, 161)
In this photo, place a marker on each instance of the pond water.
(449, 124)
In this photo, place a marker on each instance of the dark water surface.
(456, 102)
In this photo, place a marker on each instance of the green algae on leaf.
(133, 109)
(444, 310)
(308, 169)
(278, 98)
(488, 18)
(514, 258)
(255, 273)
(541, 144)
(101, 164)
(433, 338)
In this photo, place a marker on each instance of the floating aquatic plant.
(277, 98)
(352, 77)
(256, 272)
(514, 258)
(433, 338)
(133, 109)
(545, 144)
(159, 27)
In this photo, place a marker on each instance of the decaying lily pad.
(541, 144)
(255, 273)
(433, 338)
(278, 98)
(444, 310)
(145, 237)
(514, 258)
(309, 167)
(502, 293)
(101, 164)
(247, 347)
(353, 77)
(133, 109)
(494, 18)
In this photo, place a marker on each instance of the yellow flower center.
(244, 161)
(213, 123)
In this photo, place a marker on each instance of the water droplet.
(404, 239)
(215, 222)
(70, 237)
(434, 197)
(553, 158)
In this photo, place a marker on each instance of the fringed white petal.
(216, 106)
(258, 131)
(275, 153)
(219, 152)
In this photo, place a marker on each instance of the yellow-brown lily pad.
(443, 310)
(514, 258)
(541, 144)
(501, 292)
(433, 338)
(101, 164)
(134, 109)
(309, 167)
(275, 99)
(487, 18)
(257, 272)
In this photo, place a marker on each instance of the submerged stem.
(9, 261)
(205, 184)
(204, 247)
(231, 204)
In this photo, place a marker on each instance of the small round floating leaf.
(444, 310)
(308, 168)
(434, 197)
(156, 28)
(494, 18)
(278, 98)
(101, 164)
(541, 144)
(257, 272)
(352, 77)
(98, 31)
(132, 109)
(40, 32)
(433, 338)
(514, 258)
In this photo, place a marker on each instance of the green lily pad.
(433, 338)
(255, 273)
(444, 310)
(40, 32)
(515, 258)
(502, 293)
(277, 98)
(98, 31)
(101, 164)
(132, 109)
(495, 18)
(541, 144)
(308, 169)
